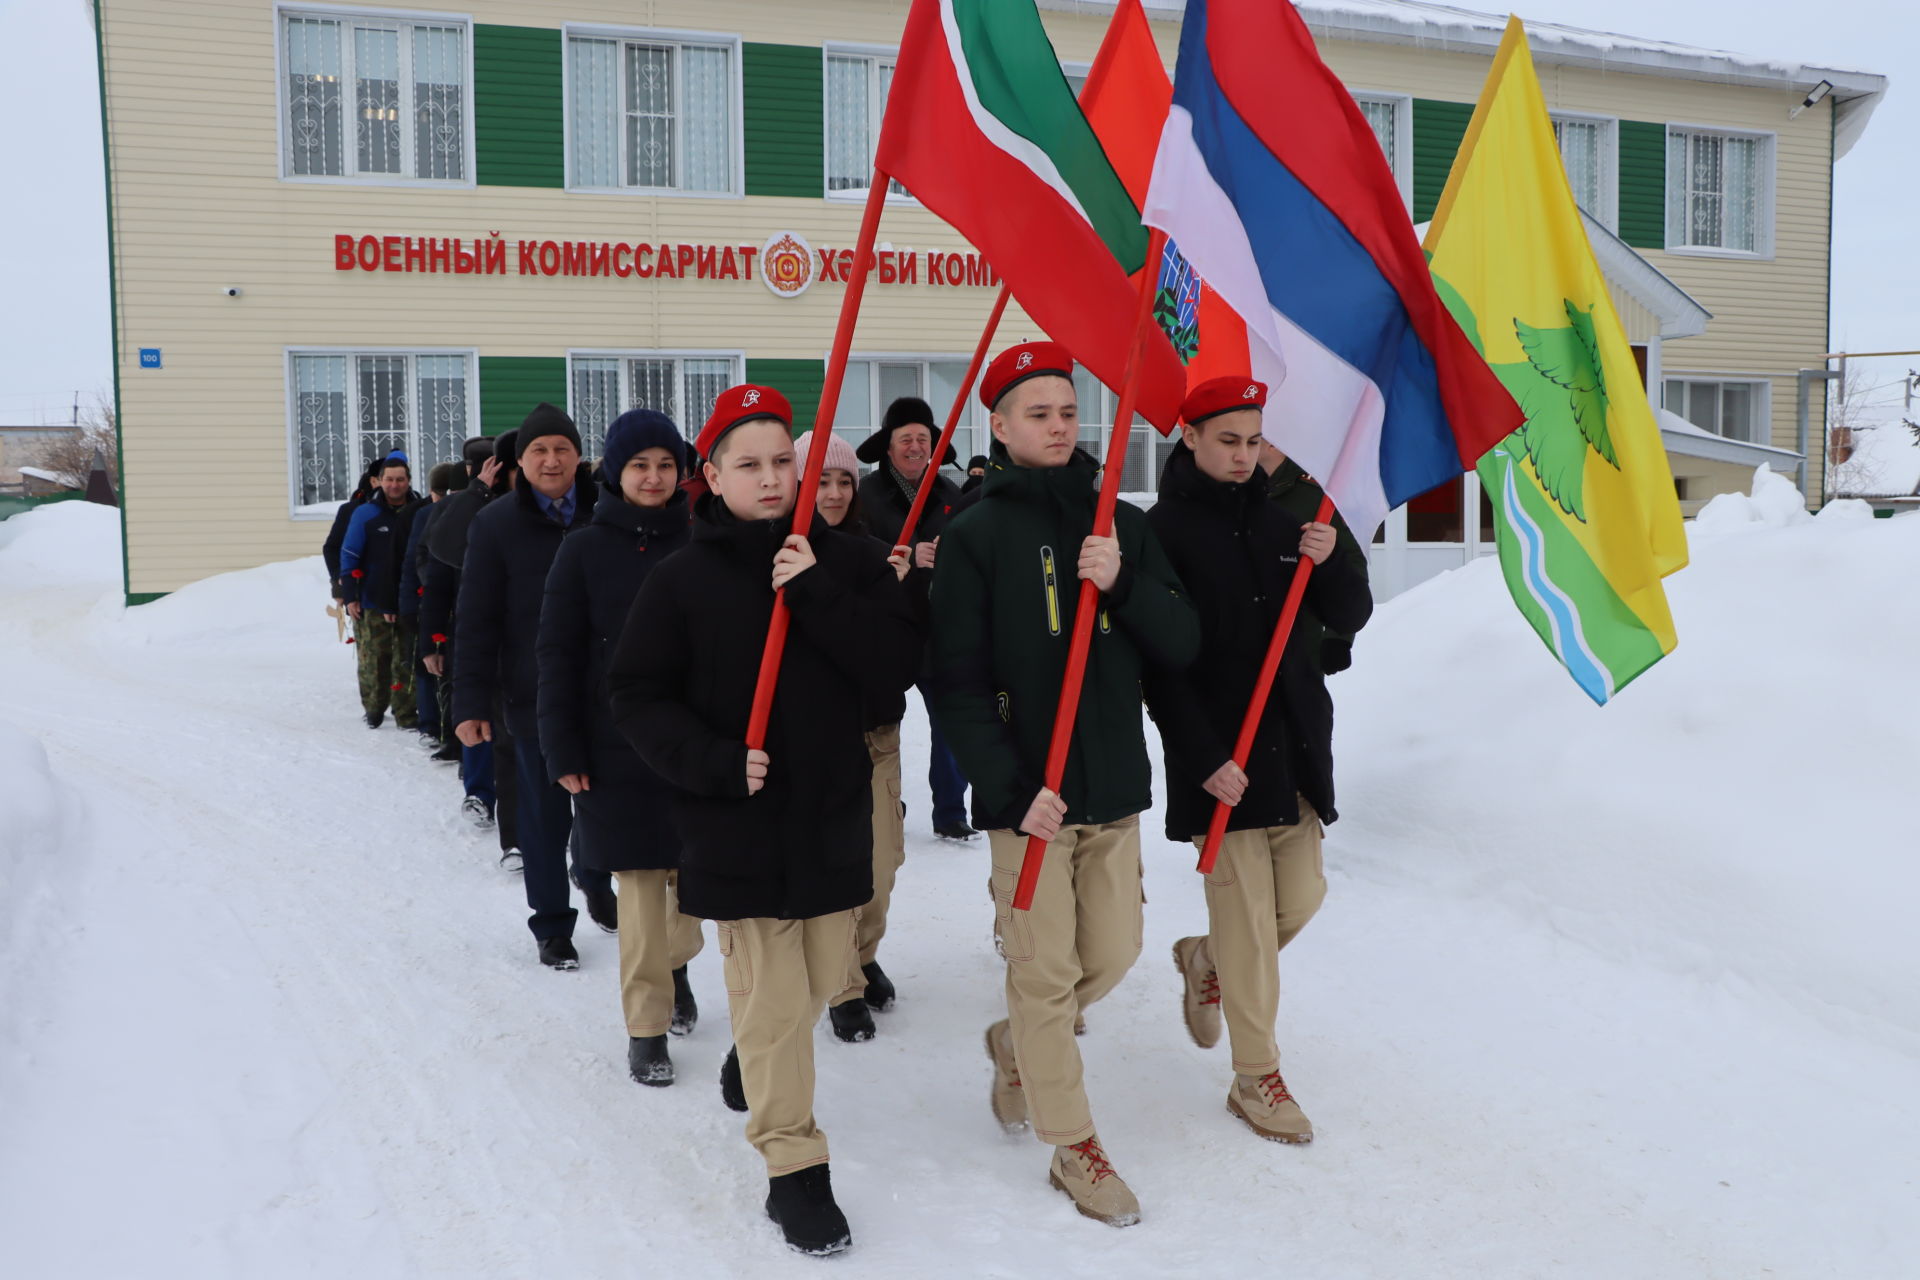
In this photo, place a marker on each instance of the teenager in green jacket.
(1003, 600)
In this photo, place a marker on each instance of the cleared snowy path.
(268, 1010)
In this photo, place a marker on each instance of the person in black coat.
(776, 843)
(900, 453)
(486, 770)
(440, 482)
(1236, 550)
(503, 580)
(620, 805)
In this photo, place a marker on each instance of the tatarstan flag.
(1125, 100)
(983, 129)
(1582, 493)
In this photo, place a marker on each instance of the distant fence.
(13, 504)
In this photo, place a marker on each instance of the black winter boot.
(732, 1092)
(558, 953)
(602, 906)
(647, 1060)
(802, 1203)
(374, 718)
(880, 991)
(686, 1010)
(852, 1021)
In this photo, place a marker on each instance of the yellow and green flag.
(1584, 505)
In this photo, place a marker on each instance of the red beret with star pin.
(1017, 364)
(737, 406)
(1216, 396)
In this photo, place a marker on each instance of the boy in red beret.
(1003, 597)
(1236, 550)
(776, 844)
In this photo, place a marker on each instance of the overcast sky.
(53, 273)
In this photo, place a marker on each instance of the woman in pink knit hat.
(838, 503)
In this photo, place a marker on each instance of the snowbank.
(1736, 814)
(261, 611)
(61, 544)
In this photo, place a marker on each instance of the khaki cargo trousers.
(780, 975)
(1264, 887)
(889, 855)
(655, 939)
(1071, 949)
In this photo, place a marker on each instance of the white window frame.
(1076, 70)
(1402, 104)
(689, 430)
(349, 152)
(1763, 204)
(982, 433)
(875, 53)
(1763, 402)
(736, 132)
(325, 510)
(1608, 213)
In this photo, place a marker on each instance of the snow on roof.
(39, 473)
(1441, 26)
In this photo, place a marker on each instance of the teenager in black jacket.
(503, 580)
(620, 805)
(776, 844)
(1236, 550)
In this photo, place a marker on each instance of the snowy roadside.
(1596, 993)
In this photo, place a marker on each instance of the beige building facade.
(357, 228)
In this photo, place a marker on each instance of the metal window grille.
(1383, 115)
(350, 409)
(650, 114)
(1713, 190)
(1583, 153)
(682, 387)
(407, 103)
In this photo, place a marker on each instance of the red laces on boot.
(1210, 987)
(1274, 1089)
(1096, 1158)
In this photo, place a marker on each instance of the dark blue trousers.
(949, 786)
(545, 820)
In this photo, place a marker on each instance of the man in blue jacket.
(370, 565)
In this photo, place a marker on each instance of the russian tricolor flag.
(1273, 185)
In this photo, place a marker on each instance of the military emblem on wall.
(786, 264)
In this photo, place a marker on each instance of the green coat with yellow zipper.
(1005, 583)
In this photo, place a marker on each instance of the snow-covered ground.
(1609, 993)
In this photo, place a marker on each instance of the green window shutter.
(511, 385)
(798, 380)
(781, 89)
(1438, 128)
(518, 118)
(1643, 184)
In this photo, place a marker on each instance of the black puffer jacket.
(623, 815)
(503, 582)
(682, 685)
(1236, 551)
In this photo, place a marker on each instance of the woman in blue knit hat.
(620, 805)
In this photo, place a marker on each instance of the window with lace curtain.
(1391, 117)
(1719, 190)
(856, 93)
(1147, 449)
(1587, 152)
(602, 385)
(348, 408)
(373, 98)
(873, 383)
(650, 113)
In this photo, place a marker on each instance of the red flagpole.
(1262, 687)
(1089, 603)
(816, 458)
(953, 422)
